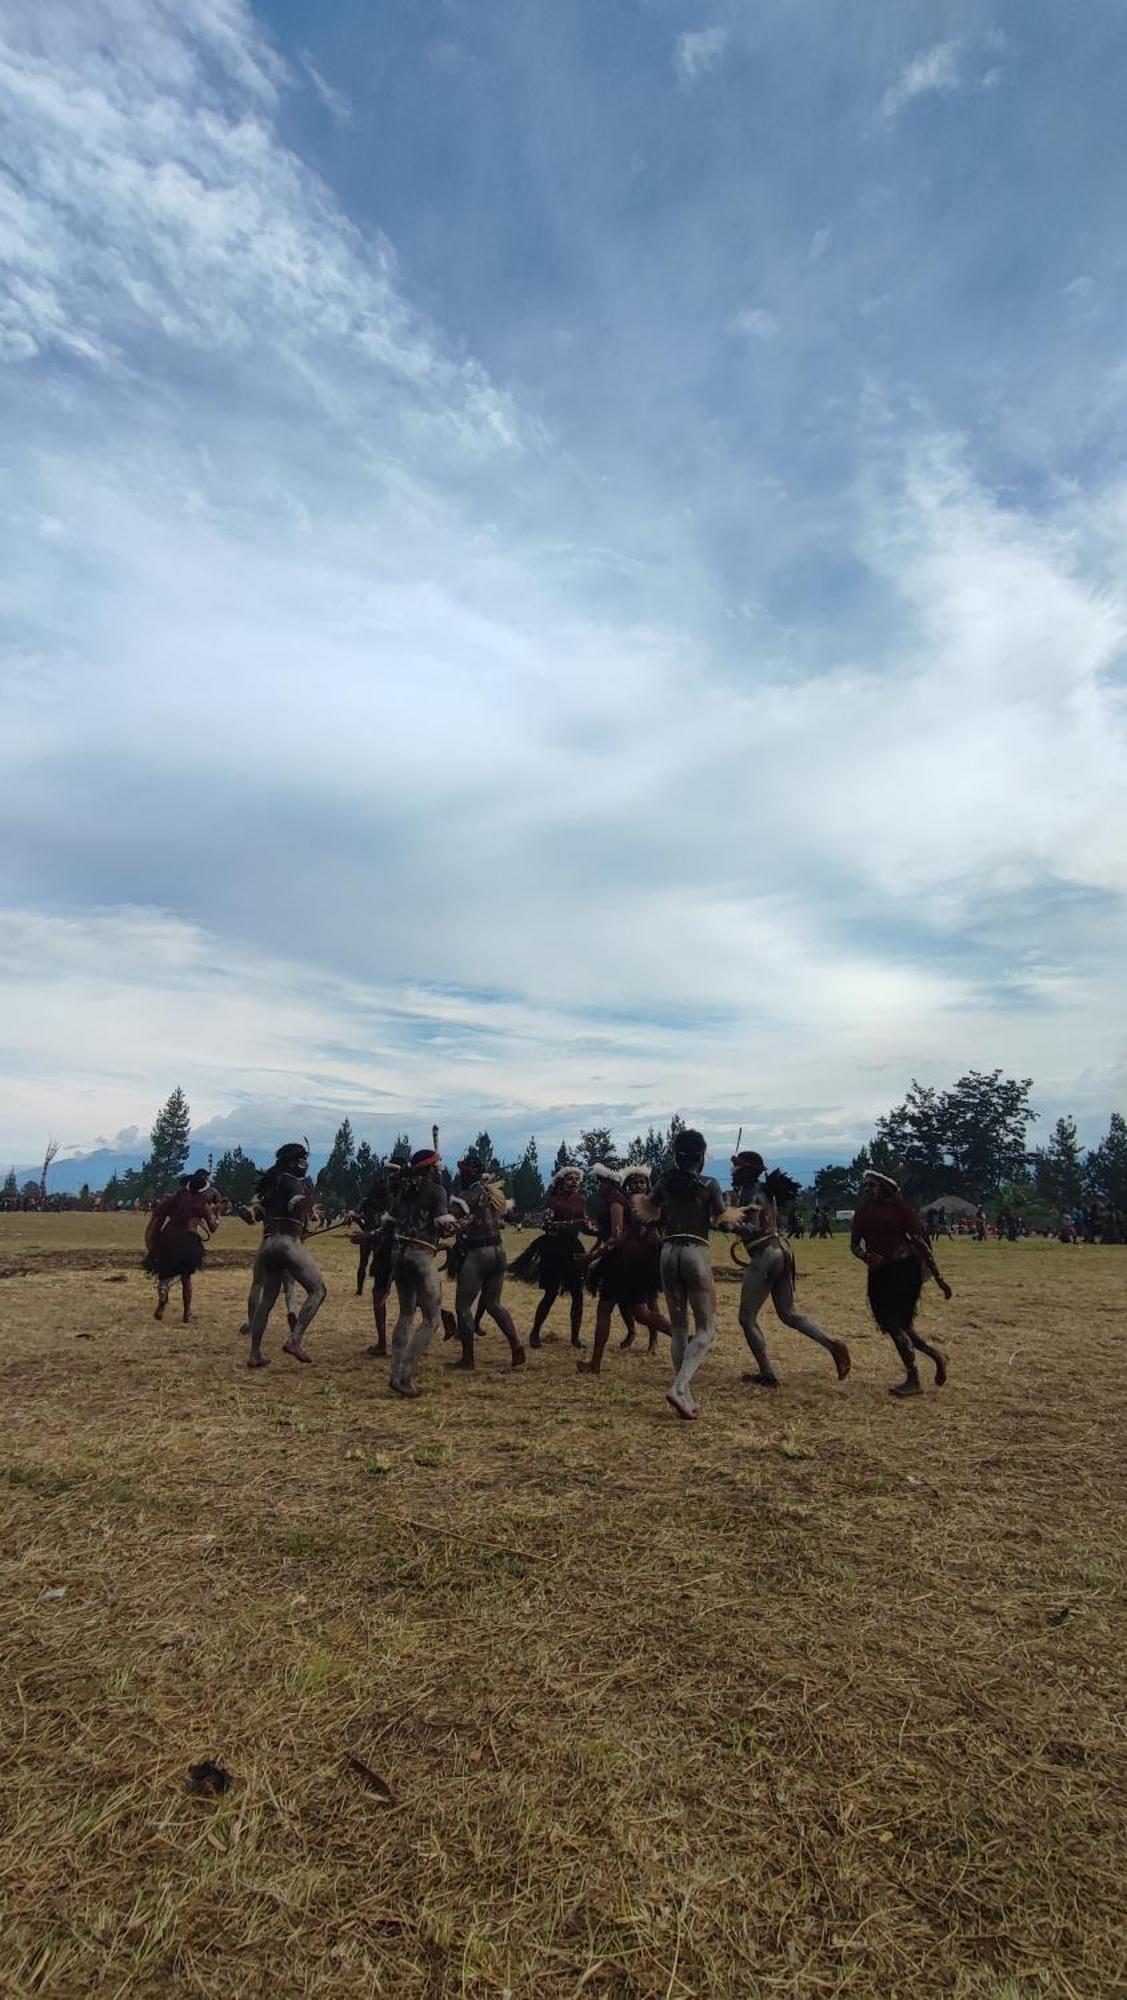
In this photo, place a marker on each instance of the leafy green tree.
(835, 1187)
(1106, 1169)
(596, 1148)
(168, 1146)
(236, 1175)
(1058, 1172)
(527, 1181)
(986, 1119)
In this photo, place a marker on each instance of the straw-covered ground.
(529, 1688)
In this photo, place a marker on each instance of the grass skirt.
(629, 1274)
(551, 1260)
(894, 1293)
(176, 1254)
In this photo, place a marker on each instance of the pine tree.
(168, 1142)
(1106, 1170)
(563, 1158)
(596, 1147)
(11, 1188)
(236, 1175)
(527, 1181)
(1057, 1172)
(401, 1151)
(483, 1148)
(364, 1170)
(336, 1180)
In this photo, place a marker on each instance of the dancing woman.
(286, 1197)
(555, 1259)
(770, 1272)
(625, 1270)
(175, 1236)
(888, 1236)
(686, 1202)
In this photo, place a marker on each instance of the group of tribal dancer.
(650, 1242)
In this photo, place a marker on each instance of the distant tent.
(952, 1203)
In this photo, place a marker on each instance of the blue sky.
(559, 563)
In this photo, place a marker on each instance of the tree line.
(971, 1140)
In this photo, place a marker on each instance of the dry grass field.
(529, 1689)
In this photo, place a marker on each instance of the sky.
(559, 564)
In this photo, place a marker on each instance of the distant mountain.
(67, 1176)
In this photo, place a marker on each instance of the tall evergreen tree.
(401, 1151)
(336, 1180)
(483, 1147)
(168, 1143)
(596, 1147)
(11, 1186)
(563, 1157)
(236, 1174)
(1106, 1170)
(527, 1181)
(1057, 1170)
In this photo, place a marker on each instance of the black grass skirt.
(551, 1260)
(628, 1274)
(894, 1293)
(178, 1254)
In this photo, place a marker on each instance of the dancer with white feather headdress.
(555, 1259)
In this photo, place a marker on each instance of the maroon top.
(564, 1208)
(888, 1228)
(181, 1210)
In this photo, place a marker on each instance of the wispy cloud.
(934, 70)
(698, 50)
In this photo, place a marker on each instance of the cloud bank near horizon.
(529, 630)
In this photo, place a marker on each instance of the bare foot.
(841, 1360)
(463, 1363)
(291, 1322)
(534, 1340)
(940, 1368)
(295, 1348)
(257, 1361)
(762, 1378)
(159, 1313)
(587, 1368)
(410, 1390)
(684, 1405)
(519, 1357)
(909, 1387)
(245, 1328)
(378, 1351)
(187, 1319)
(628, 1342)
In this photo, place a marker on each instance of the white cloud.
(402, 795)
(933, 70)
(697, 51)
(757, 322)
(150, 197)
